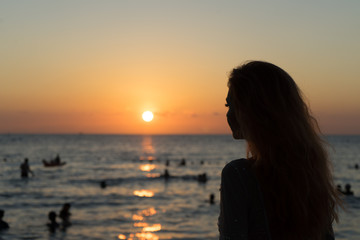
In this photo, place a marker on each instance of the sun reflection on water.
(143, 229)
(121, 236)
(147, 145)
(143, 193)
(149, 212)
(136, 217)
(140, 224)
(147, 230)
(153, 175)
(147, 167)
(146, 236)
(149, 158)
(153, 228)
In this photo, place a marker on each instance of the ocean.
(137, 202)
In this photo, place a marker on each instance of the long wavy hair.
(290, 158)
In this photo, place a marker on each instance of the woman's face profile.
(231, 118)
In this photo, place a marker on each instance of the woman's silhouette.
(284, 188)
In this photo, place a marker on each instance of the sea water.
(137, 202)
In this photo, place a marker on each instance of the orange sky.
(94, 68)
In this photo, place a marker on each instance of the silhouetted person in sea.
(25, 169)
(338, 187)
(103, 184)
(3, 225)
(52, 225)
(65, 215)
(182, 162)
(283, 189)
(166, 174)
(348, 190)
(356, 166)
(202, 178)
(212, 199)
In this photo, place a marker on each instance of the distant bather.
(3, 225)
(65, 215)
(25, 169)
(52, 225)
(348, 190)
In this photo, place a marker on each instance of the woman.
(284, 188)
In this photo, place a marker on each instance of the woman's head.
(263, 98)
(267, 109)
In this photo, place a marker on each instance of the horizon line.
(157, 134)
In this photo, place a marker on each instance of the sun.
(147, 116)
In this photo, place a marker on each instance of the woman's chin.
(236, 136)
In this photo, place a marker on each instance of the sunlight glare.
(122, 236)
(147, 167)
(153, 228)
(147, 116)
(147, 236)
(137, 217)
(144, 193)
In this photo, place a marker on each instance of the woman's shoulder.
(237, 168)
(241, 163)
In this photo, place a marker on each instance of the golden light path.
(143, 193)
(140, 236)
(147, 230)
(147, 167)
(153, 228)
(148, 158)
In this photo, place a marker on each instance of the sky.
(95, 66)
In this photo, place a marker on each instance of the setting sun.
(147, 116)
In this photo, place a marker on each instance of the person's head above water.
(52, 216)
(267, 109)
(66, 206)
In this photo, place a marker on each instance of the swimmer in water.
(52, 225)
(65, 215)
(3, 225)
(25, 169)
